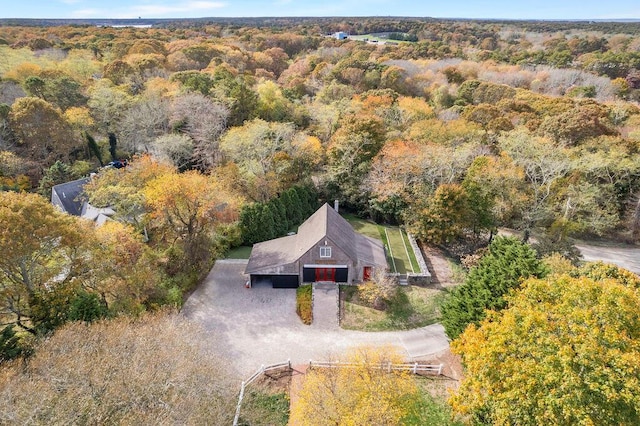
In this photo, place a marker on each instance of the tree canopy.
(364, 394)
(156, 368)
(565, 351)
(41, 251)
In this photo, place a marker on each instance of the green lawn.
(242, 252)
(412, 307)
(263, 406)
(401, 259)
(366, 227)
(412, 254)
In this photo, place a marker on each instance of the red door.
(326, 274)
(366, 273)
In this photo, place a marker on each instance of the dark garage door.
(278, 281)
(339, 275)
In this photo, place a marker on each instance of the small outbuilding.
(326, 248)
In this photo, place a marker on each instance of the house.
(70, 198)
(326, 248)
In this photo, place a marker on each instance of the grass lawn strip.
(406, 250)
(242, 252)
(390, 251)
(397, 246)
(412, 255)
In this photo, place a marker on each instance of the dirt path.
(439, 266)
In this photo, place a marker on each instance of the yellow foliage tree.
(41, 249)
(186, 207)
(41, 130)
(79, 118)
(566, 351)
(124, 273)
(363, 394)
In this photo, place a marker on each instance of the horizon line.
(619, 20)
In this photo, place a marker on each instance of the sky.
(499, 9)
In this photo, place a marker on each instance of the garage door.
(277, 281)
(325, 273)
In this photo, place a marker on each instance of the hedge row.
(274, 218)
(304, 303)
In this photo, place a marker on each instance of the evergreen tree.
(287, 201)
(308, 203)
(279, 218)
(297, 214)
(267, 224)
(9, 344)
(94, 148)
(507, 263)
(282, 212)
(113, 144)
(86, 307)
(249, 224)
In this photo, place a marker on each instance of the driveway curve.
(627, 257)
(259, 326)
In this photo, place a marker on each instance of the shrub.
(379, 291)
(304, 303)
(9, 344)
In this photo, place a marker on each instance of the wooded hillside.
(232, 130)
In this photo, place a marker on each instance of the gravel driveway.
(260, 326)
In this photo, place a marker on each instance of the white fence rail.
(263, 369)
(415, 368)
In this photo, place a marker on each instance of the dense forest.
(225, 124)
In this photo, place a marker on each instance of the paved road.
(625, 257)
(259, 325)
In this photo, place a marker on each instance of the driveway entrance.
(259, 325)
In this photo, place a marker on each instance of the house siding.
(350, 251)
(338, 257)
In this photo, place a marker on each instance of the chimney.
(336, 205)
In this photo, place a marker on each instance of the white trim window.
(325, 252)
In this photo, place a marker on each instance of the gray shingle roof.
(371, 250)
(69, 196)
(324, 223)
(272, 254)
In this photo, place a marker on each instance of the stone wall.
(424, 277)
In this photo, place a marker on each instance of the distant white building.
(340, 35)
